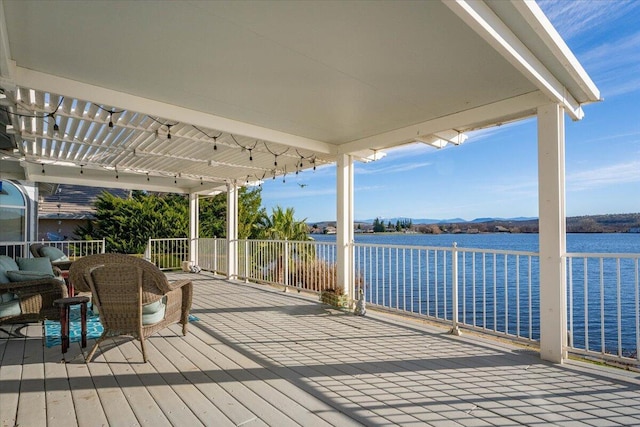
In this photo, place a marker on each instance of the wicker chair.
(36, 299)
(122, 286)
(36, 251)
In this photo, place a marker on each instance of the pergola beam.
(509, 109)
(66, 87)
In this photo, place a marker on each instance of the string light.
(275, 155)
(168, 125)
(111, 111)
(42, 168)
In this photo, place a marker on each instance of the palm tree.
(282, 225)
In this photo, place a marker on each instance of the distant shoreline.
(609, 223)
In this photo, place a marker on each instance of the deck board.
(10, 376)
(258, 356)
(32, 407)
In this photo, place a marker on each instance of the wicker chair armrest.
(30, 283)
(62, 265)
(34, 286)
(178, 284)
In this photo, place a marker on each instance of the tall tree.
(128, 224)
(213, 214)
(282, 225)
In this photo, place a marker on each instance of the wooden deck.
(258, 356)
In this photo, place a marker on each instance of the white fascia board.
(491, 114)
(480, 18)
(60, 175)
(66, 87)
(532, 13)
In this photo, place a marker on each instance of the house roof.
(72, 201)
(204, 93)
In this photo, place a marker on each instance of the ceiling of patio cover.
(204, 93)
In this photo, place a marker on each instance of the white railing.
(603, 298)
(72, 248)
(168, 254)
(309, 266)
(212, 255)
(492, 291)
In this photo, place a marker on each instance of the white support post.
(455, 330)
(194, 209)
(232, 230)
(344, 226)
(552, 225)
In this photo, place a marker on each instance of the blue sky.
(602, 150)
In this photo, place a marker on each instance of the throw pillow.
(35, 264)
(6, 263)
(54, 254)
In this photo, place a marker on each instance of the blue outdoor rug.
(94, 327)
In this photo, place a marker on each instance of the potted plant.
(334, 297)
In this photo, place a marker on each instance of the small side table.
(65, 304)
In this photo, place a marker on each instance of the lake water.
(497, 293)
(576, 242)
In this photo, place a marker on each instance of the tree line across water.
(610, 223)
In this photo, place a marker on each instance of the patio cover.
(202, 94)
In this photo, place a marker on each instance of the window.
(13, 213)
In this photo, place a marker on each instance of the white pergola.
(204, 97)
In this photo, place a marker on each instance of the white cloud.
(573, 18)
(397, 168)
(295, 192)
(619, 173)
(614, 63)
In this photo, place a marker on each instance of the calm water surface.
(576, 242)
(600, 313)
